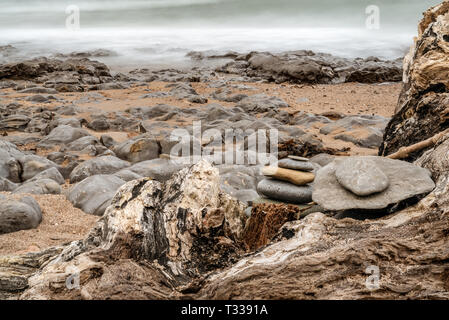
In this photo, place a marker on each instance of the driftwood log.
(423, 108)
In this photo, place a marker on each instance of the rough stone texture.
(64, 76)
(406, 181)
(261, 103)
(284, 191)
(265, 222)
(422, 110)
(308, 67)
(181, 229)
(361, 177)
(19, 215)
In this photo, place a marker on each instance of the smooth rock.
(6, 185)
(284, 191)
(157, 169)
(19, 215)
(63, 135)
(33, 165)
(99, 165)
(93, 195)
(406, 181)
(51, 173)
(41, 186)
(296, 177)
(361, 176)
(137, 149)
(288, 163)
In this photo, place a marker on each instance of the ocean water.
(147, 32)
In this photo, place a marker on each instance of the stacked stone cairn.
(289, 181)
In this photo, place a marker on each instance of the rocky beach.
(240, 175)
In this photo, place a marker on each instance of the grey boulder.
(6, 185)
(51, 173)
(261, 103)
(138, 149)
(157, 169)
(93, 195)
(100, 165)
(41, 186)
(406, 181)
(19, 215)
(63, 135)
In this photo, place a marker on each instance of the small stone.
(284, 191)
(296, 177)
(288, 163)
(361, 177)
(298, 158)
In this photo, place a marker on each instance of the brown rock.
(293, 176)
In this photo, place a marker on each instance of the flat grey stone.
(288, 163)
(406, 181)
(284, 191)
(361, 176)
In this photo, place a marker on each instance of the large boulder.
(17, 166)
(138, 149)
(33, 165)
(405, 181)
(99, 165)
(93, 195)
(183, 228)
(19, 215)
(422, 110)
(261, 103)
(62, 135)
(157, 169)
(10, 167)
(39, 186)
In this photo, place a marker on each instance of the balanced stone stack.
(289, 181)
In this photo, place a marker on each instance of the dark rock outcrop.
(309, 67)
